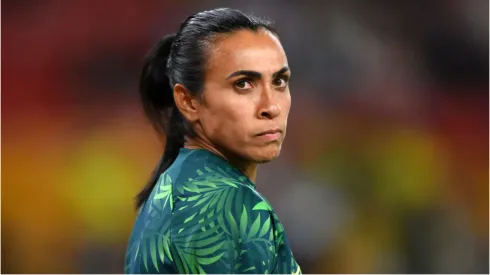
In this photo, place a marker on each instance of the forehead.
(259, 51)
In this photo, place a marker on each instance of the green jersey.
(205, 216)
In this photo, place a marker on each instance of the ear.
(186, 103)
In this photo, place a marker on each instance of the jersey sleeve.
(222, 227)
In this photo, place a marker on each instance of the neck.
(248, 168)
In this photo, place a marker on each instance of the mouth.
(270, 135)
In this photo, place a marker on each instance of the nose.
(269, 109)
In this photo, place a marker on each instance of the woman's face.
(246, 100)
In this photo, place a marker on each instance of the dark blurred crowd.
(385, 165)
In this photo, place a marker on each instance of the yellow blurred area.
(30, 206)
(409, 169)
(60, 192)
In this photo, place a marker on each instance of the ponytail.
(156, 93)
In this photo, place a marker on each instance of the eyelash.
(243, 80)
(283, 77)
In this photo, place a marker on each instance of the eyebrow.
(255, 74)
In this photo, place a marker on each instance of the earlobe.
(185, 102)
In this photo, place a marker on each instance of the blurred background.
(385, 168)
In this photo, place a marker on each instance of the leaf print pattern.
(152, 248)
(206, 217)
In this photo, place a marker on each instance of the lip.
(270, 135)
(270, 132)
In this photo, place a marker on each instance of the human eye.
(281, 81)
(244, 84)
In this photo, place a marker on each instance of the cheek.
(226, 119)
(286, 104)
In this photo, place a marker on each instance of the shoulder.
(214, 193)
(216, 189)
(217, 219)
(220, 222)
(200, 173)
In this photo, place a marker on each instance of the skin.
(246, 93)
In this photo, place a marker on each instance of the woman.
(219, 90)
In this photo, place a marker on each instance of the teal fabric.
(205, 216)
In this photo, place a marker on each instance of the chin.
(268, 154)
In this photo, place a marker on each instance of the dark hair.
(180, 58)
